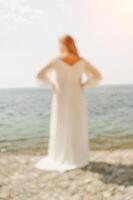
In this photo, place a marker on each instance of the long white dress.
(68, 142)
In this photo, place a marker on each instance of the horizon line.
(36, 87)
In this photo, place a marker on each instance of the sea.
(25, 115)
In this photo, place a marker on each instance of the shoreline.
(40, 144)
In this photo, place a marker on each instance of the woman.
(68, 74)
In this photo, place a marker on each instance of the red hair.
(69, 42)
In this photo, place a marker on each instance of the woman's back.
(67, 76)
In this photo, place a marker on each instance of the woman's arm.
(94, 75)
(42, 74)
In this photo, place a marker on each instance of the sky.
(29, 32)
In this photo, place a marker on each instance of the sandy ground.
(109, 176)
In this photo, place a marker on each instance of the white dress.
(68, 141)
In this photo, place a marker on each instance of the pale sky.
(29, 31)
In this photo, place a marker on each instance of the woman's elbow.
(100, 77)
(39, 76)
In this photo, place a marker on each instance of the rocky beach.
(109, 176)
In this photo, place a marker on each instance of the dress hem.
(47, 164)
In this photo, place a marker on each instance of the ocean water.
(25, 113)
